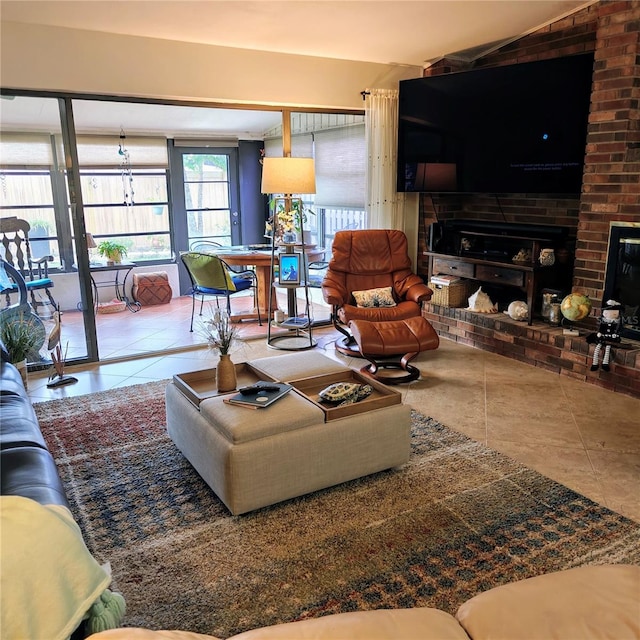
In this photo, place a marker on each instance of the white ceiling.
(413, 32)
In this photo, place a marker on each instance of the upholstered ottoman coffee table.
(255, 458)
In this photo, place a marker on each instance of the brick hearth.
(540, 345)
(611, 193)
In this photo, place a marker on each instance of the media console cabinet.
(485, 251)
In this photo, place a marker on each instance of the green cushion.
(208, 271)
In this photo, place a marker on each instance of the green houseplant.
(112, 251)
(20, 337)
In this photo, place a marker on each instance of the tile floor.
(156, 328)
(580, 435)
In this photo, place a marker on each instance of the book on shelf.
(259, 395)
(445, 279)
(296, 322)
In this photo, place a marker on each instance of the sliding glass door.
(155, 178)
(34, 186)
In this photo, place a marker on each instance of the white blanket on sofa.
(48, 578)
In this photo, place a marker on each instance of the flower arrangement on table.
(219, 332)
(289, 222)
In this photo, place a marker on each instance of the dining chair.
(212, 276)
(316, 271)
(209, 246)
(16, 251)
(204, 246)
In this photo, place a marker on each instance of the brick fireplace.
(610, 194)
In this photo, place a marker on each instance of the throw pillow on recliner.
(380, 297)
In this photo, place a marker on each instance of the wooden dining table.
(260, 258)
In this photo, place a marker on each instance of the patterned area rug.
(458, 519)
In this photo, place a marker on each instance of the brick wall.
(611, 183)
(611, 187)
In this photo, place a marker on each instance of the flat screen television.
(513, 129)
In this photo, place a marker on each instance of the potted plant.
(112, 251)
(220, 334)
(39, 247)
(291, 221)
(20, 338)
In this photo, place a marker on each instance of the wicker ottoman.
(256, 458)
(151, 288)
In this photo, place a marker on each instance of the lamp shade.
(91, 243)
(288, 175)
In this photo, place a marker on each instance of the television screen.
(512, 129)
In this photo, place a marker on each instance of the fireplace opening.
(622, 279)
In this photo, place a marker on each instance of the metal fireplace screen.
(622, 280)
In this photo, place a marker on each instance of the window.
(206, 197)
(143, 225)
(27, 188)
(124, 202)
(337, 142)
(29, 195)
(125, 194)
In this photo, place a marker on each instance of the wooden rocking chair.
(14, 238)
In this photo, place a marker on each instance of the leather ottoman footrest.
(403, 338)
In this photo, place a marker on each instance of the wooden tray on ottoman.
(200, 385)
(382, 396)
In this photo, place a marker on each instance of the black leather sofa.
(27, 468)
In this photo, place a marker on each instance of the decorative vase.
(289, 237)
(225, 374)
(555, 315)
(547, 257)
(547, 299)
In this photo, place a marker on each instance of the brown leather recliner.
(370, 259)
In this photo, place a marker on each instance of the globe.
(575, 307)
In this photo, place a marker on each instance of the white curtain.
(384, 204)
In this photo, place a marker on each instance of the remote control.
(256, 388)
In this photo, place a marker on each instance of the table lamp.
(91, 244)
(288, 176)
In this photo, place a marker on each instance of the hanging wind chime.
(127, 174)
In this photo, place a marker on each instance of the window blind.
(301, 146)
(340, 167)
(25, 150)
(102, 151)
(340, 161)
